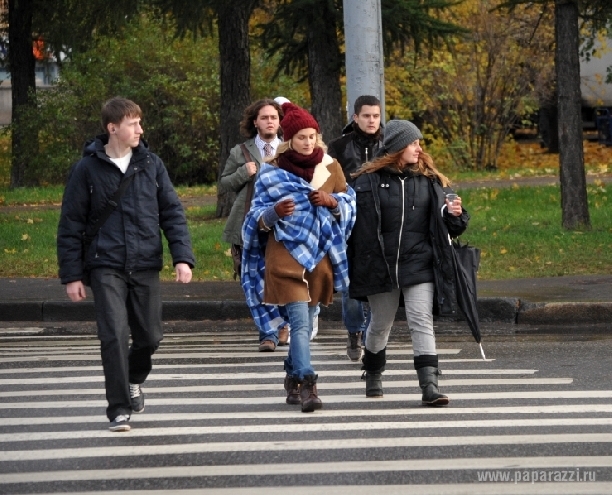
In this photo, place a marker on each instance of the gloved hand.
(284, 208)
(321, 198)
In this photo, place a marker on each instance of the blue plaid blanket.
(309, 234)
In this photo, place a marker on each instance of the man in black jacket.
(123, 260)
(359, 144)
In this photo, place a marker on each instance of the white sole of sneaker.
(120, 428)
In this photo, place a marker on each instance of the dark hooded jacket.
(130, 239)
(402, 236)
(354, 148)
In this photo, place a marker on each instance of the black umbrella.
(466, 260)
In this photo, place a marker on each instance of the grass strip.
(518, 229)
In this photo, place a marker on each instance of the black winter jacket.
(353, 149)
(401, 236)
(130, 239)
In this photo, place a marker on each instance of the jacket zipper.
(399, 241)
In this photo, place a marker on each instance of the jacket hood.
(96, 145)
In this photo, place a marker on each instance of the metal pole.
(365, 69)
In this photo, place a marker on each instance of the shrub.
(175, 82)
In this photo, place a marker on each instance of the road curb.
(491, 309)
(564, 313)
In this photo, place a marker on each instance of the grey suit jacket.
(235, 178)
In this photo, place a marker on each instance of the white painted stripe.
(21, 330)
(301, 446)
(155, 376)
(322, 386)
(294, 413)
(595, 488)
(204, 355)
(301, 468)
(329, 399)
(163, 350)
(357, 365)
(317, 428)
(86, 351)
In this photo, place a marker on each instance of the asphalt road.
(538, 412)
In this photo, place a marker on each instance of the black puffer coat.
(401, 236)
(130, 239)
(354, 149)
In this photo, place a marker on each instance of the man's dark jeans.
(126, 304)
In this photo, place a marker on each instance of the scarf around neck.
(366, 139)
(301, 165)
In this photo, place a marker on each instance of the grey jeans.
(419, 307)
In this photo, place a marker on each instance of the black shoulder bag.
(88, 237)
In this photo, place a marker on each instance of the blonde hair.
(425, 166)
(286, 145)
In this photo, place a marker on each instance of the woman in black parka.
(400, 246)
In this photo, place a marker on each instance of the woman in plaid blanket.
(294, 252)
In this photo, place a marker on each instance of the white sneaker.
(120, 423)
(315, 327)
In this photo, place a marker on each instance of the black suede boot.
(373, 366)
(427, 370)
(308, 394)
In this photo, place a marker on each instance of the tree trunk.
(324, 64)
(23, 86)
(235, 63)
(574, 204)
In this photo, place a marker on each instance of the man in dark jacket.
(359, 144)
(123, 260)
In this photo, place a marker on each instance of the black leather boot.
(292, 386)
(308, 394)
(428, 381)
(373, 366)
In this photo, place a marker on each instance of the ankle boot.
(373, 366)
(428, 381)
(308, 394)
(292, 386)
(373, 384)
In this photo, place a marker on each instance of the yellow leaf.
(503, 251)
(25, 237)
(30, 220)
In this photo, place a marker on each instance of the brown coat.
(286, 280)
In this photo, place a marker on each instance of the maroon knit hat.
(295, 120)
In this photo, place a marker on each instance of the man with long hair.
(261, 125)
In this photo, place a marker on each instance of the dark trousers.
(126, 304)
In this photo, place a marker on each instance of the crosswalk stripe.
(329, 399)
(322, 386)
(209, 355)
(302, 468)
(248, 344)
(156, 376)
(326, 413)
(318, 427)
(67, 369)
(301, 446)
(582, 488)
